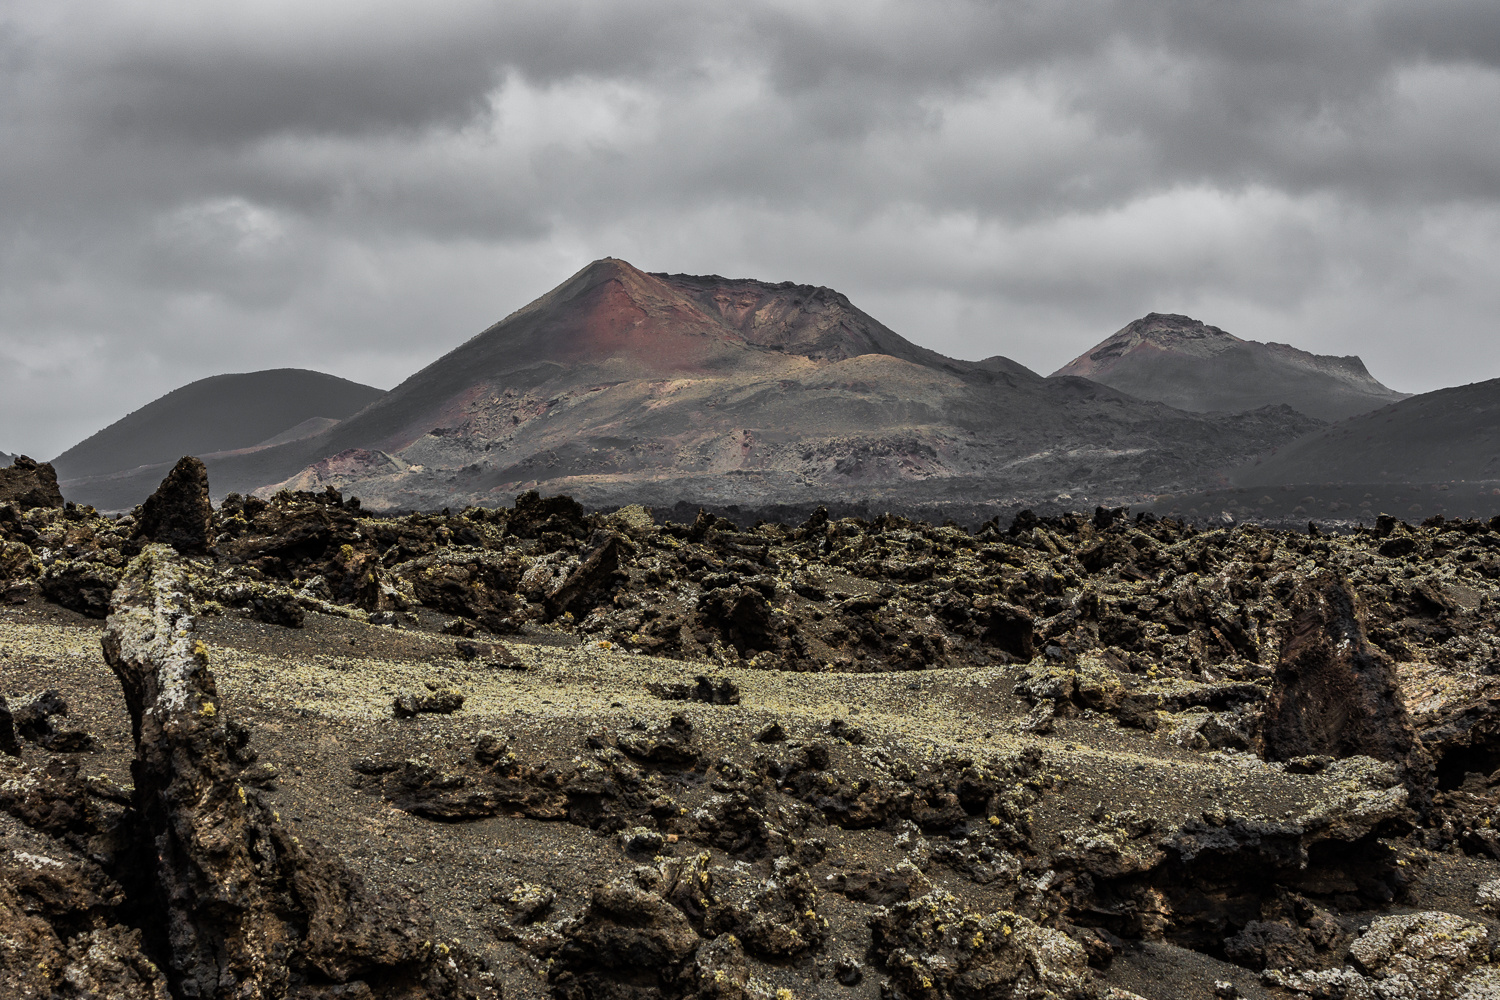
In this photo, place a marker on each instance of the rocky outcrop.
(1414, 956)
(629, 941)
(29, 484)
(936, 949)
(1214, 650)
(63, 932)
(179, 513)
(1334, 693)
(246, 909)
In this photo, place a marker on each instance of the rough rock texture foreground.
(844, 758)
(1334, 693)
(215, 896)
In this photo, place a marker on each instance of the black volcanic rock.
(1334, 693)
(839, 817)
(293, 912)
(179, 513)
(29, 484)
(1184, 363)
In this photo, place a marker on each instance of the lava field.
(288, 747)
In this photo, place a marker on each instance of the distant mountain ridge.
(620, 385)
(1449, 435)
(1188, 364)
(623, 386)
(222, 413)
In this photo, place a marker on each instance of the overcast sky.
(190, 188)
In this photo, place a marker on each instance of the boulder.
(56, 942)
(780, 920)
(594, 575)
(80, 586)
(29, 484)
(435, 702)
(533, 516)
(935, 949)
(36, 723)
(628, 933)
(1333, 692)
(1429, 955)
(179, 513)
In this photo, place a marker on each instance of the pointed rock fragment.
(179, 513)
(1333, 692)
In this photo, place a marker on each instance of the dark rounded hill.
(1184, 363)
(1444, 436)
(217, 414)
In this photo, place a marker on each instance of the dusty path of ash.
(1066, 791)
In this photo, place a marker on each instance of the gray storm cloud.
(193, 188)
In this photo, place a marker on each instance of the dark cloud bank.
(357, 188)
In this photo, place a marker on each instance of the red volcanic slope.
(641, 326)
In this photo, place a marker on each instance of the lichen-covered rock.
(628, 941)
(722, 973)
(180, 513)
(1429, 949)
(780, 919)
(476, 585)
(1487, 896)
(935, 949)
(436, 702)
(1415, 956)
(17, 562)
(48, 947)
(80, 585)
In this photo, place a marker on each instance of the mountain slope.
(1192, 366)
(1447, 435)
(621, 384)
(222, 413)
